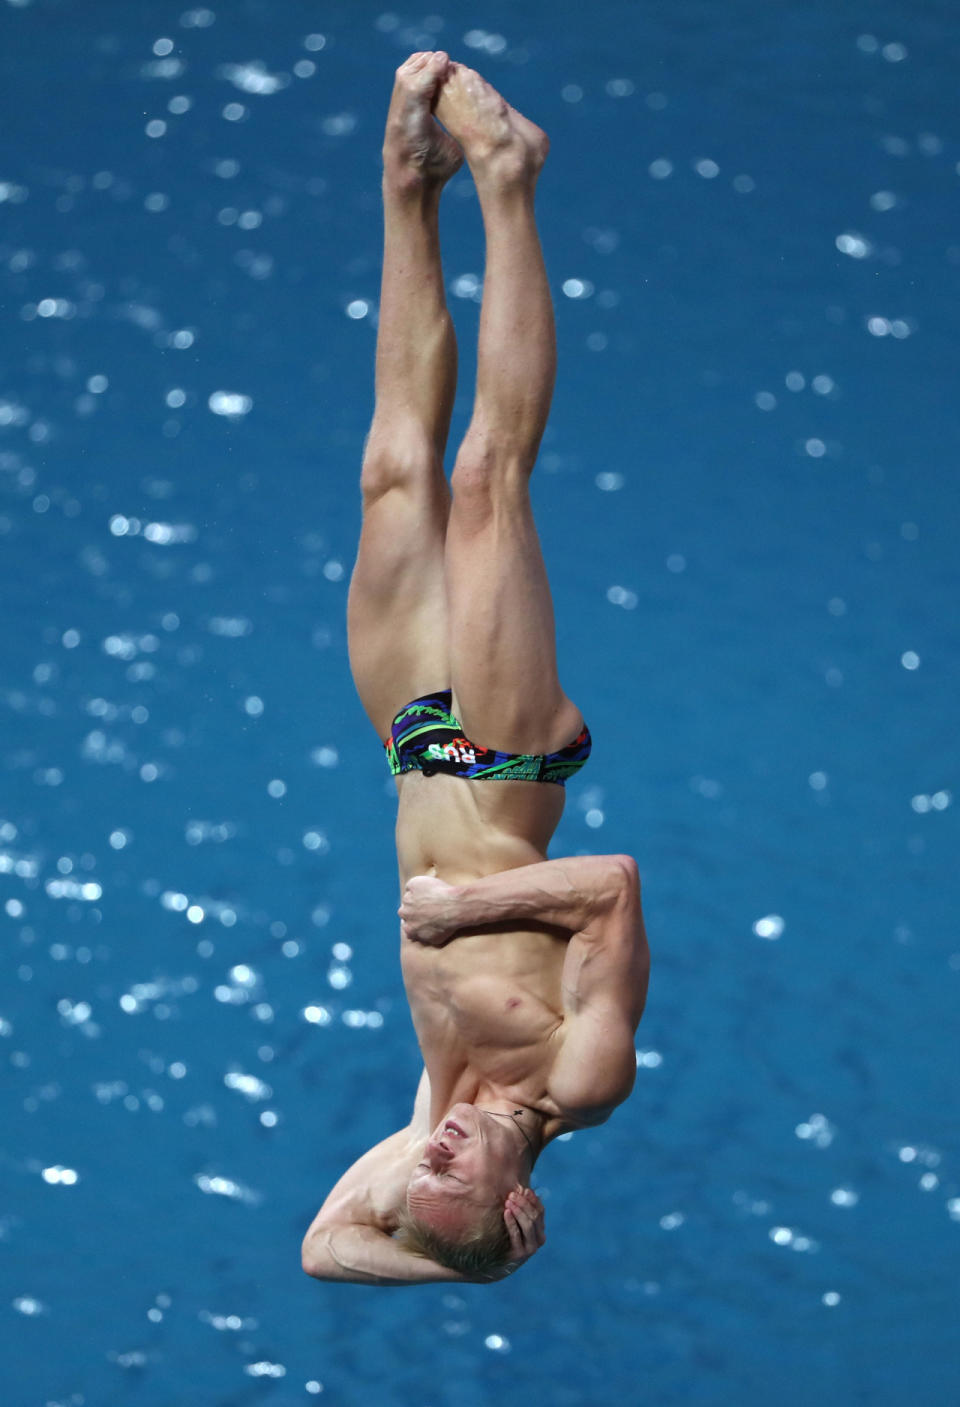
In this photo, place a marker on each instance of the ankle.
(513, 166)
(512, 182)
(406, 185)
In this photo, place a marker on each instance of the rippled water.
(749, 507)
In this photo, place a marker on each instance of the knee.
(486, 472)
(397, 463)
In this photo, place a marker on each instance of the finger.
(536, 1211)
(519, 1212)
(528, 1202)
(516, 1239)
(525, 1228)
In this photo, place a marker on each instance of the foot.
(502, 146)
(417, 151)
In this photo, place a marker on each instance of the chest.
(485, 993)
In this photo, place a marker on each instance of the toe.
(427, 72)
(435, 70)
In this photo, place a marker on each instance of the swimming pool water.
(747, 496)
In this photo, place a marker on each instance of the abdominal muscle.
(485, 1004)
(461, 830)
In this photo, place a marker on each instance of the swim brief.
(426, 737)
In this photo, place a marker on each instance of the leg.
(396, 614)
(502, 636)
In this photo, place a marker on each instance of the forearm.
(568, 893)
(367, 1256)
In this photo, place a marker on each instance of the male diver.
(526, 977)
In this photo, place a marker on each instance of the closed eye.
(441, 1172)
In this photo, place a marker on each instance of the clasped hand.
(524, 1217)
(427, 910)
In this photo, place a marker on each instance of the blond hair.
(484, 1252)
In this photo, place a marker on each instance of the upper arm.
(373, 1188)
(605, 977)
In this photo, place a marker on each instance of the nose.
(439, 1153)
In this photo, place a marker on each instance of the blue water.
(748, 502)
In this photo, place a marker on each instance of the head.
(456, 1193)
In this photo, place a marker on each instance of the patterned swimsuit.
(426, 737)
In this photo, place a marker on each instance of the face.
(471, 1162)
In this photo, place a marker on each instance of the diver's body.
(525, 1018)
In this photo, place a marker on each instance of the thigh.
(396, 609)
(503, 660)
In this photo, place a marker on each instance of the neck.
(528, 1124)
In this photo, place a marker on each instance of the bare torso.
(487, 1007)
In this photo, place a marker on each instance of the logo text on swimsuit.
(457, 751)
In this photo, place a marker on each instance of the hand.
(523, 1214)
(427, 910)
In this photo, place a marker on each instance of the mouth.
(451, 1126)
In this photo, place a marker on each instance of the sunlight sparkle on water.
(770, 927)
(817, 1129)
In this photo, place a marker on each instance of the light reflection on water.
(195, 869)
